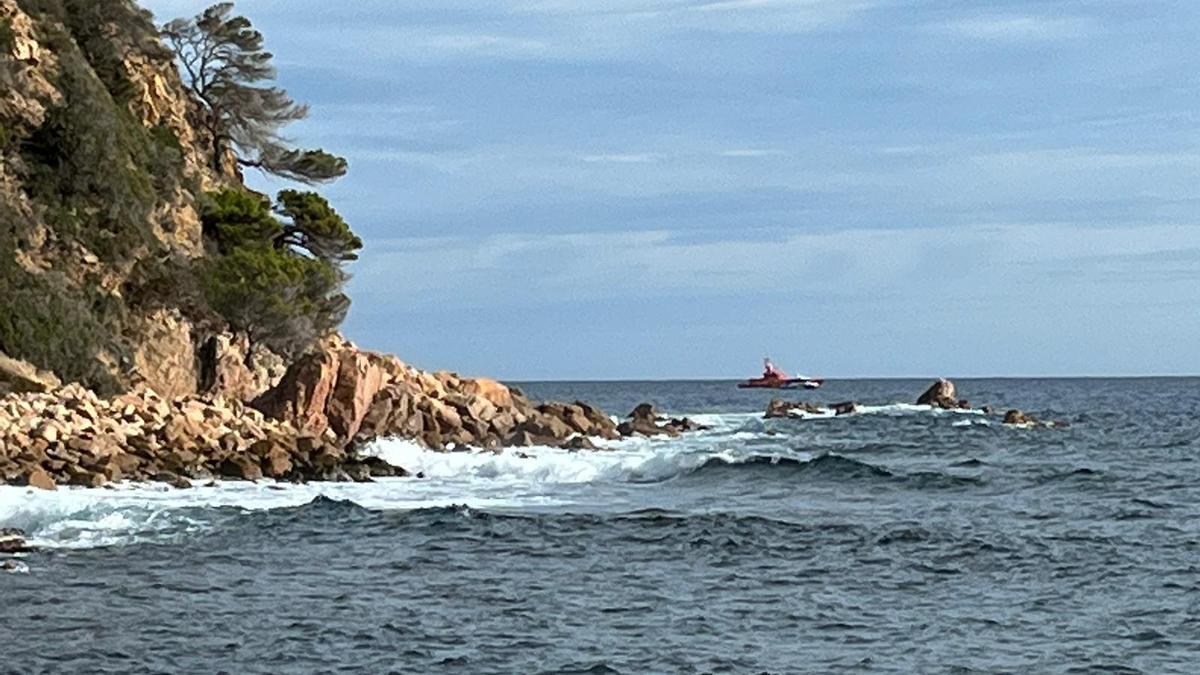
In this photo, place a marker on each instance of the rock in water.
(13, 541)
(14, 567)
(780, 408)
(1018, 417)
(644, 421)
(942, 394)
(844, 408)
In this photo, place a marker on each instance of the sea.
(896, 540)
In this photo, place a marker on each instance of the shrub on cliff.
(42, 321)
(279, 280)
(95, 170)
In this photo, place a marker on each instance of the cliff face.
(101, 166)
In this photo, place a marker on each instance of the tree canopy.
(278, 279)
(230, 72)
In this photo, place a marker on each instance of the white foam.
(511, 478)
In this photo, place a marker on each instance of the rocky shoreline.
(312, 425)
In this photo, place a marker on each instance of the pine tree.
(229, 71)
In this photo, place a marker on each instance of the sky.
(611, 189)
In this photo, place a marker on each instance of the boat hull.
(797, 383)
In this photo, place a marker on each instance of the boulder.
(241, 467)
(497, 394)
(39, 478)
(303, 393)
(580, 443)
(644, 427)
(359, 379)
(941, 394)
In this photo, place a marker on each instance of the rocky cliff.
(101, 168)
(112, 365)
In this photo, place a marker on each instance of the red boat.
(774, 378)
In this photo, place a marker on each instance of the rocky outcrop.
(644, 420)
(230, 366)
(779, 408)
(360, 395)
(941, 394)
(12, 542)
(22, 377)
(72, 437)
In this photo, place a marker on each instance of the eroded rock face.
(941, 394)
(165, 357)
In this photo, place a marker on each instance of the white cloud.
(960, 263)
(753, 152)
(1019, 28)
(622, 158)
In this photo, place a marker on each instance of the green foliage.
(305, 166)
(88, 164)
(316, 228)
(281, 299)
(229, 70)
(47, 322)
(7, 38)
(95, 169)
(235, 218)
(280, 281)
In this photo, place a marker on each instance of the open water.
(897, 540)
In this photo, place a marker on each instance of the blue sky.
(661, 188)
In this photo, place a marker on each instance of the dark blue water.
(893, 541)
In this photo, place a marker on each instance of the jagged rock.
(302, 394)
(941, 394)
(644, 411)
(359, 379)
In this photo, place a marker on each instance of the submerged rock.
(1017, 418)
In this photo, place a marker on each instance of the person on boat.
(770, 372)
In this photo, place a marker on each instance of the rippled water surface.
(896, 540)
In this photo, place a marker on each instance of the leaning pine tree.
(226, 67)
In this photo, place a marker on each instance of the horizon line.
(861, 378)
